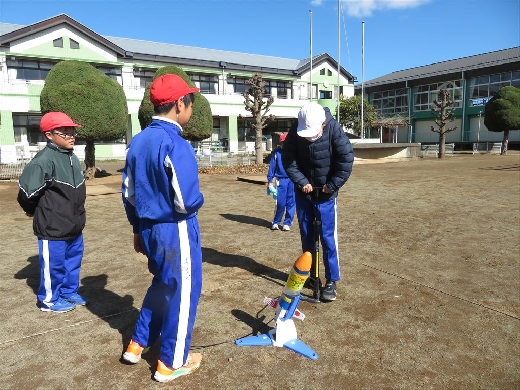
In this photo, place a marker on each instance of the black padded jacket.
(328, 160)
(52, 188)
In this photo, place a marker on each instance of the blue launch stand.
(283, 335)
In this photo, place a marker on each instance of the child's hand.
(137, 243)
(307, 188)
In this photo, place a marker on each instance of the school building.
(471, 81)
(403, 98)
(28, 53)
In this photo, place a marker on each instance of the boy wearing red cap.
(52, 190)
(277, 177)
(161, 196)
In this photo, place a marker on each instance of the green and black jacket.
(52, 188)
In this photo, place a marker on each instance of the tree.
(350, 113)
(502, 113)
(258, 106)
(91, 99)
(442, 111)
(200, 125)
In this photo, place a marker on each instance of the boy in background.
(277, 177)
(52, 191)
(161, 196)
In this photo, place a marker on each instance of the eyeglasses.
(65, 136)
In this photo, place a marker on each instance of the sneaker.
(166, 374)
(329, 292)
(286, 228)
(60, 306)
(76, 299)
(274, 227)
(133, 352)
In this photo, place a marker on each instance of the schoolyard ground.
(429, 296)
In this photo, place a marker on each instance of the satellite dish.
(326, 84)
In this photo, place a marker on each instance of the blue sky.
(399, 34)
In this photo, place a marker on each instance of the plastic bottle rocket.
(299, 274)
(284, 334)
(272, 190)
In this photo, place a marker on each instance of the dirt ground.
(429, 296)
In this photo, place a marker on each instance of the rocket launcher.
(284, 334)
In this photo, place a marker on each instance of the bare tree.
(442, 110)
(258, 105)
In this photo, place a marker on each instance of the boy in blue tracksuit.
(277, 177)
(161, 196)
(52, 191)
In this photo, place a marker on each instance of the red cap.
(283, 137)
(53, 120)
(169, 88)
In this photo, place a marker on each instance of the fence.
(215, 159)
(12, 171)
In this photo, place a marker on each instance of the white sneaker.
(274, 227)
(286, 228)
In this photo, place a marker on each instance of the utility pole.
(362, 75)
(310, 74)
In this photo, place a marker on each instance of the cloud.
(316, 2)
(360, 8)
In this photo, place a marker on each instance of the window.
(483, 88)
(327, 71)
(207, 83)
(245, 129)
(340, 90)
(515, 79)
(73, 44)
(282, 88)
(58, 42)
(30, 69)
(27, 129)
(390, 102)
(145, 76)
(110, 72)
(325, 94)
(425, 95)
(239, 85)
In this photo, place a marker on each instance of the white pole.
(339, 46)
(310, 75)
(478, 132)
(362, 75)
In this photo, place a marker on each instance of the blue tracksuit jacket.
(285, 194)
(161, 196)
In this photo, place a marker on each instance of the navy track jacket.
(328, 160)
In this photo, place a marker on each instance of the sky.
(397, 34)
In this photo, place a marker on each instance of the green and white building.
(471, 82)
(28, 53)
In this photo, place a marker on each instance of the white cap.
(310, 119)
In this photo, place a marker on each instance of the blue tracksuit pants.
(305, 210)
(170, 304)
(60, 263)
(284, 202)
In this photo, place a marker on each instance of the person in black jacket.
(52, 191)
(318, 155)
